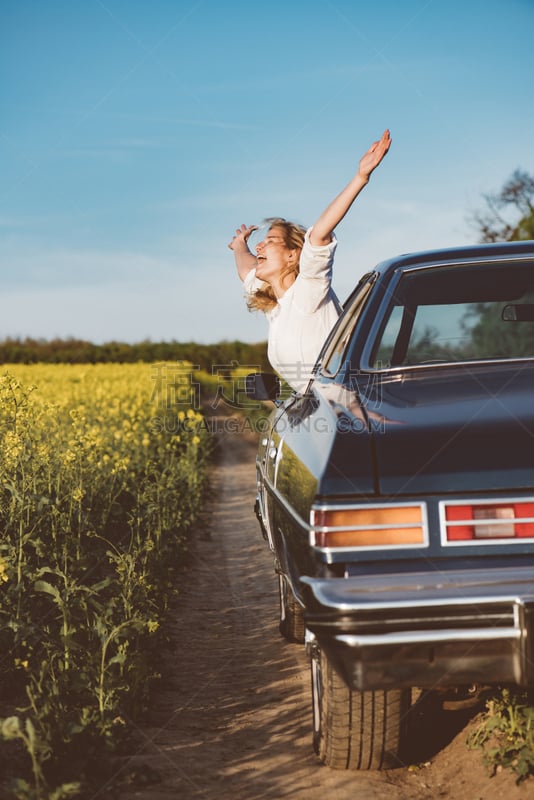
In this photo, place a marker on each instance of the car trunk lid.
(466, 429)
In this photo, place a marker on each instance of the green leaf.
(47, 588)
(65, 791)
(30, 730)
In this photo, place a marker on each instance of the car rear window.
(459, 313)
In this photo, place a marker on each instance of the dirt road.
(232, 717)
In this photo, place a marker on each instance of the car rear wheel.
(292, 625)
(356, 730)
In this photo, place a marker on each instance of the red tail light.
(502, 519)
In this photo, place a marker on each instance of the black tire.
(292, 625)
(356, 730)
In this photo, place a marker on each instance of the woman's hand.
(244, 259)
(374, 155)
(242, 234)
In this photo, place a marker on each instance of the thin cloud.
(68, 268)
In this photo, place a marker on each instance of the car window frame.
(369, 350)
(341, 334)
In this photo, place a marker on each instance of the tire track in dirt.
(232, 716)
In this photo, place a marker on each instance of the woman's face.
(273, 255)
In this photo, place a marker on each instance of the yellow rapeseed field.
(102, 474)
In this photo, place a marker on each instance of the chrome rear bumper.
(426, 629)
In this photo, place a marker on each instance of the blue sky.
(136, 135)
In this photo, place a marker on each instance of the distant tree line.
(78, 351)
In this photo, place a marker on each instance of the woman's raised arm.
(245, 260)
(324, 227)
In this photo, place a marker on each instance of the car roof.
(454, 255)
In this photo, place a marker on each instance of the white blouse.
(303, 317)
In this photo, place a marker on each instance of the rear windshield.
(459, 313)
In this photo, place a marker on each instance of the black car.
(397, 495)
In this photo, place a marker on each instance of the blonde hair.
(293, 235)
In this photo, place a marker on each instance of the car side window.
(334, 354)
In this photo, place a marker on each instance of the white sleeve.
(251, 284)
(316, 260)
(313, 284)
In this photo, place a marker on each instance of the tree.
(509, 215)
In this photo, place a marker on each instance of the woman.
(290, 277)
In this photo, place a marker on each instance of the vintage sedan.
(397, 496)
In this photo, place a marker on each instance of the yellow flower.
(78, 494)
(3, 570)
